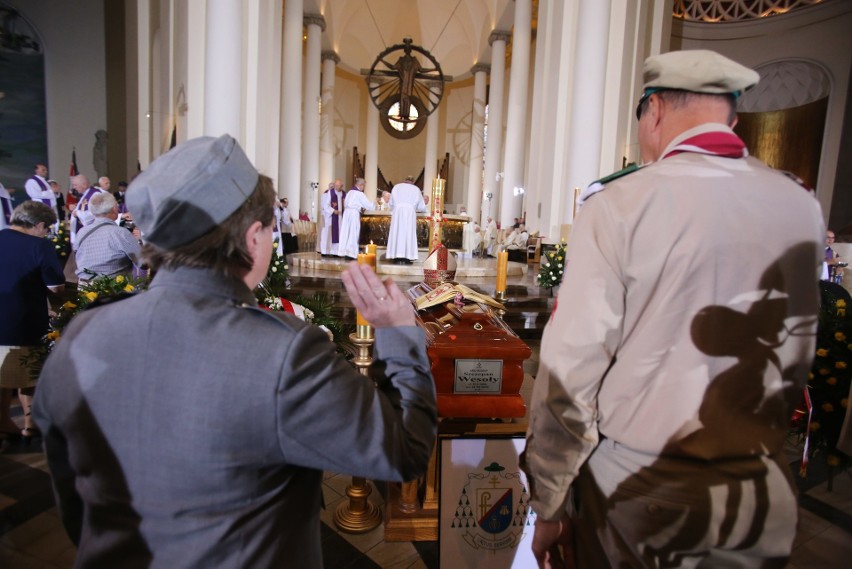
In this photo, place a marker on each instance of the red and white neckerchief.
(716, 143)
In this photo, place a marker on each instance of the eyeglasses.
(640, 108)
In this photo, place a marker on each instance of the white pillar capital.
(332, 55)
(314, 20)
(480, 68)
(499, 35)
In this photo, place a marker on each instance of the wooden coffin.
(477, 360)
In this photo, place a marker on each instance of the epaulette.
(599, 185)
(616, 175)
(796, 179)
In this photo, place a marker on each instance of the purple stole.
(122, 206)
(7, 209)
(87, 195)
(44, 188)
(335, 219)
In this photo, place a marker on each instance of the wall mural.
(23, 123)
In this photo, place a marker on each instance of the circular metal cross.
(406, 84)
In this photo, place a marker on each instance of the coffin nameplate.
(478, 376)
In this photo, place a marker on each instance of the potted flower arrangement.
(819, 420)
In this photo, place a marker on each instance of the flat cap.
(699, 71)
(185, 193)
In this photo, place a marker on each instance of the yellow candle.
(363, 260)
(502, 270)
(370, 259)
(370, 249)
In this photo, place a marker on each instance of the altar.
(375, 228)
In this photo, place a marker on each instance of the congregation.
(637, 408)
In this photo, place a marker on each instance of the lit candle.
(502, 270)
(363, 259)
(370, 249)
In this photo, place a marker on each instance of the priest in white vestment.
(405, 201)
(350, 227)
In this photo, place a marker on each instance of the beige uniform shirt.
(685, 321)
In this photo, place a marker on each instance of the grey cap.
(185, 193)
(699, 71)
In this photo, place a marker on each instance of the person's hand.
(136, 234)
(382, 304)
(547, 538)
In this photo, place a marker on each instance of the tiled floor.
(32, 537)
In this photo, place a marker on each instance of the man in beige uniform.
(684, 332)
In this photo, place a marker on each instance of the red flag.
(74, 171)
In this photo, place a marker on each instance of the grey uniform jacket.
(201, 442)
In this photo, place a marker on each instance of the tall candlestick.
(435, 230)
(502, 271)
(363, 329)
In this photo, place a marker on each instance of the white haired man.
(683, 340)
(103, 248)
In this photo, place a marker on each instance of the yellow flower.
(810, 375)
(822, 352)
(839, 336)
(823, 371)
(827, 407)
(832, 460)
(831, 381)
(69, 305)
(840, 365)
(841, 312)
(815, 425)
(91, 295)
(119, 279)
(54, 335)
(840, 303)
(129, 288)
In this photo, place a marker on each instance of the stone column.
(587, 101)
(315, 25)
(222, 103)
(371, 162)
(494, 144)
(430, 168)
(511, 198)
(473, 198)
(290, 137)
(326, 169)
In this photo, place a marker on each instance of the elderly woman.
(29, 268)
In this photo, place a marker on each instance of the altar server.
(405, 201)
(350, 228)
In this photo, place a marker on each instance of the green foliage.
(552, 267)
(97, 290)
(318, 308)
(828, 382)
(61, 242)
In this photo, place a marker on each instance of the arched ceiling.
(455, 31)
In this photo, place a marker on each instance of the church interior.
(515, 106)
